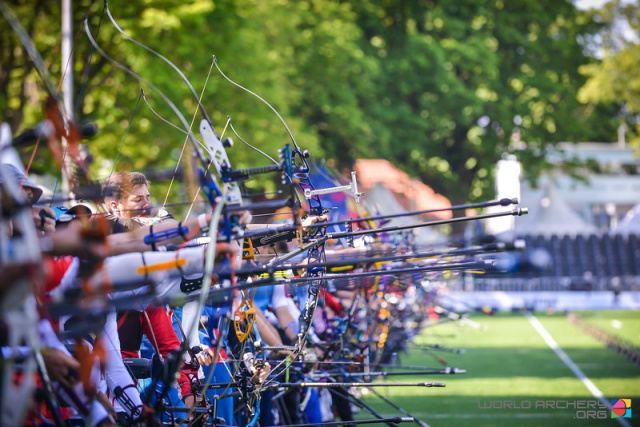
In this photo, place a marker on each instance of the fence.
(579, 263)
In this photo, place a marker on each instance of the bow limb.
(215, 218)
(293, 140)
(181, 130)
(64, 127)
(194, 361)
(167, 61)
(297, 170)
(171, 105)
(17, 304)
(214, 147)
(29, 46)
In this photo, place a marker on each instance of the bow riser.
(220, 160)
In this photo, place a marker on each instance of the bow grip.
(209, 188)
(157, 237)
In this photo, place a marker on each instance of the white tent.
(552, 215)
(630, 223)
(385, 203)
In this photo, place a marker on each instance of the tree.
(458, 79)
(437, 87)
(294, 54)
(614, 82)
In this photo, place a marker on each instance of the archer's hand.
(310, 220)
(70, 241)
(206, 355)
(244, 218)
(260, 375)
(61, 367)
(44, 220)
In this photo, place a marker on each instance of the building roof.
(412, 194)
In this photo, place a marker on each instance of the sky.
(589, 4)
(622, 26)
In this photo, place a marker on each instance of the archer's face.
(135, 204)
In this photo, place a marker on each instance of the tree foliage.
(437, 87)
(614, 81)
(460, 78)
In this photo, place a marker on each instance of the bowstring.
(215, 61)
(249, 145)
(208, 167)
(125, 135)
(187, 138)
(206, 172)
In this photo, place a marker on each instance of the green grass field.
(509, 361)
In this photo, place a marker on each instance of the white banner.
(540, 301)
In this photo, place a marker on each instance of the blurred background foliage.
(440, 88)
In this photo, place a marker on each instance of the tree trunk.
(457, 228)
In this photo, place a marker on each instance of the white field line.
(595, 391)
(484, 416)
